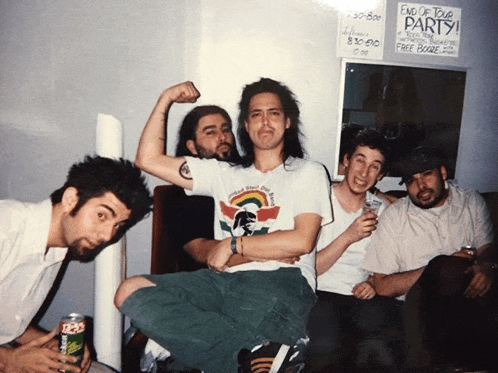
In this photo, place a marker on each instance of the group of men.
(280, 231)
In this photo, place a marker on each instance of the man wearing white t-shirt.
(269, 209)
(346, 317)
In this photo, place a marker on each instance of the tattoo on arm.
(185, 171)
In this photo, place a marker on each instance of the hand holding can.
(72, 336)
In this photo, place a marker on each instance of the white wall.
(62, 62)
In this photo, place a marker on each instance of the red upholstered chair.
(166, 257)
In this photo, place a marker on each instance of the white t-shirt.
(250, 202)
(346, 272)
(26, 271)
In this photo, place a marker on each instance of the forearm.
(326, 257)
(395, 284)
(283, 244)
(199, 249)
(277, 245)
(30, 334)
(151, 156)
(5, 355)
(153, 139)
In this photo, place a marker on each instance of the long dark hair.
(189, 126)
(292, 143)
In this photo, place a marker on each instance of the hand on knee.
(127, 287)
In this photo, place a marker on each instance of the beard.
(83, 254)
(439, 194)
(204, 153)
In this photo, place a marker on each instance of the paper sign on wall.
(428, 29)
(361, 33)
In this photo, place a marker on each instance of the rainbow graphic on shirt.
(249, 213)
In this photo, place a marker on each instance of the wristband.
(233, 244)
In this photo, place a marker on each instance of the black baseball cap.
(420, 159)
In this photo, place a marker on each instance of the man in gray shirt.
(421, 253)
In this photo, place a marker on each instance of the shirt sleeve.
(381, 255)
(483, 227)
(312, 192)
(205, 174)
(8, 228)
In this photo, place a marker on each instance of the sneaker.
(270, 357)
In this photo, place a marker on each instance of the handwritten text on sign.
(428, 29)
(361, 33)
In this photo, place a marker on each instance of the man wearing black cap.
(427, 249)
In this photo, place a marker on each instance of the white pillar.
(109, 264)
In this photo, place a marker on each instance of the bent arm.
(278, 245)
(286, 243)
(151, 156)
(326, 257)
(360, 228)
(37, 357)
(200, 248)
(395, 284)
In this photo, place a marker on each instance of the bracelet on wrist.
(233, 244)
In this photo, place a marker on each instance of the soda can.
(471, 250)
(72, 336)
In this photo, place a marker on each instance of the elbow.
(305, 246)
(143, 163)
(139, 162)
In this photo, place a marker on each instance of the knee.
(446, 275)
(129, 286)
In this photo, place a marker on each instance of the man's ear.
(444, 172)
(191, 147)
(345, 160)
(70, 199)
(287, 123)
(381, 176)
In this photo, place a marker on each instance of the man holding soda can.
(420, 252)
(101, 199)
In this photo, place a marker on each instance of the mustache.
(224, 144)
(424, 191)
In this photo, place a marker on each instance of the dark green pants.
(204, 318)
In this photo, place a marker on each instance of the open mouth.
(425, 195)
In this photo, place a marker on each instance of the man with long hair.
(205, 318)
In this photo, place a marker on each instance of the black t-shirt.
(185, 218)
